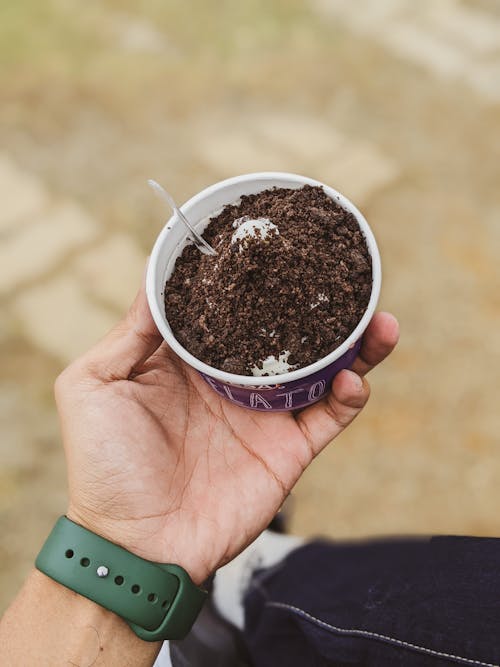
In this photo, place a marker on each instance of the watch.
(158, 601)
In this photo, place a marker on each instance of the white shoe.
(232, 581)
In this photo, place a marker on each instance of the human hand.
(162, 465)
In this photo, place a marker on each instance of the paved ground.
(395, 103)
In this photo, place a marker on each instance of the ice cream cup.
(279, 393)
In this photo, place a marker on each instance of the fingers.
(380, 338)
(322, 422)
(127, 346)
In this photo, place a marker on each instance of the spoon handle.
(198, 240)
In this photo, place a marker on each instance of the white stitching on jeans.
(375, 635)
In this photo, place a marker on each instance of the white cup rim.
(157, 306)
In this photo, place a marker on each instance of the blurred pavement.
(395, 103)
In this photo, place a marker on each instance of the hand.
(160, 464)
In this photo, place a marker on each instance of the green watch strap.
(158, 601)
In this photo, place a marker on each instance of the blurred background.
(393, 102)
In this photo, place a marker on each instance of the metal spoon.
(197, 239)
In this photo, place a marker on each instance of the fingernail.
(358, 382)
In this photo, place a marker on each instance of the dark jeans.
(411, 602)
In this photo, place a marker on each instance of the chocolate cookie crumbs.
(291, 281)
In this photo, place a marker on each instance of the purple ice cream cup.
(278, 393)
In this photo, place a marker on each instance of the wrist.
(142, 540)
(66, 628)
(158, 600)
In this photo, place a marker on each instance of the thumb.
(127, 346)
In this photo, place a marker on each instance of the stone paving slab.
(112, 271)
(450, 39)
(37, 247)
(295, 143)
(22, 195)
(60, 319)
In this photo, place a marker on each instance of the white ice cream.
(246, 228)
(273, 366)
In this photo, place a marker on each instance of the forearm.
(49, 625)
